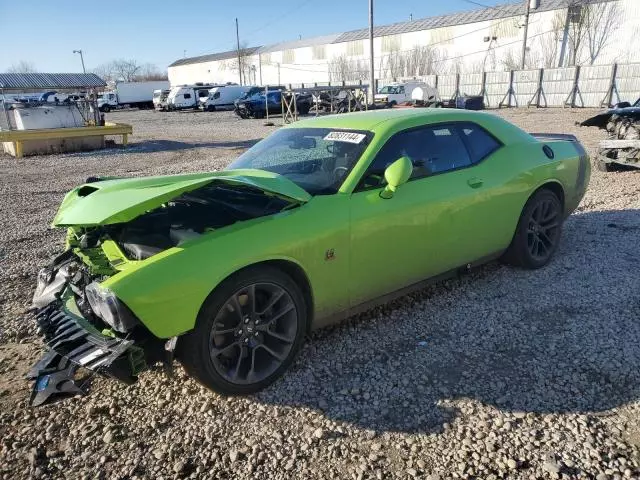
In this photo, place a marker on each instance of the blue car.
(255, 106)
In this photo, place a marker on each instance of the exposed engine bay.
(185, 218)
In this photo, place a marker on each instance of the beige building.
(597, 32)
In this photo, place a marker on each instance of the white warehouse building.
(560, 33)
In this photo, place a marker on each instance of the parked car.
(229, 270)
(224, 97)
(398, 93)
(256, 105)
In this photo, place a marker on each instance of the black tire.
(106, 108)
(211, 108)
(538, 232)
(197, 349)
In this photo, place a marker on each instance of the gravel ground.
(503, 373)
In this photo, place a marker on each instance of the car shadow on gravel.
(152, 146)
(562, 339)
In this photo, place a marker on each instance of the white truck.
(399, 93)
(130, 94)
(188, 96)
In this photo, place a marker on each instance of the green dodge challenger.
(228, 271)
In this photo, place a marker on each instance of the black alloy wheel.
(248, 332)
(538, 232)
(253, 333)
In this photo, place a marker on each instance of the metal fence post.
(483, 88)
(539, 92)
(575, 91)
(510, 93)
(607, 101)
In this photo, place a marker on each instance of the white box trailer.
(130, 94)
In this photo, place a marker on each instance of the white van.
(397, 93)
(224, 97)
(186, 96)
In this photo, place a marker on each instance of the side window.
(481, 144)
(401, 89)
(432, 150)
(187, 95)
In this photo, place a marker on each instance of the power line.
(279, 18)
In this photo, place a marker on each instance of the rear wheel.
(538, 232)
(211, 108)
(247, 333)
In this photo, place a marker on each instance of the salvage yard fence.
(580, 86)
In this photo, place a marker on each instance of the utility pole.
(527, 6)
(238, 43)
(565, 38)
(81, 59)
(372, 75)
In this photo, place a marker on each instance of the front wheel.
(538, 232)
(247, 333)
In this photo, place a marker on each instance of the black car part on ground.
(623, 145)
(72, 344)
(470, 102)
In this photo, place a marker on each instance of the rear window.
(480, 142)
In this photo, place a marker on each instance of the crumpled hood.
(119, 200)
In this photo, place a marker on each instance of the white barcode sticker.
(350, 137)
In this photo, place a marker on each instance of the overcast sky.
(46, 33)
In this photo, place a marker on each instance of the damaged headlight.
(109, 308)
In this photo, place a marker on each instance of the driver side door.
(403, 240)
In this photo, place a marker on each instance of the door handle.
(474, 182)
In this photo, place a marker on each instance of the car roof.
(373, 119)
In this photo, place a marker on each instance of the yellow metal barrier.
(19, 136)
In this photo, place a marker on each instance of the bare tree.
(150, 71)
(126, 70)
(394, 64)
(588, 25)
(422, 60)
(345, 69)
(22, 67)
(129, 71)
(601, 22)
(510, 61)
(242, 64)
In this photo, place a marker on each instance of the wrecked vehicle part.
(621, 109)
(84, 323)
(623, 145)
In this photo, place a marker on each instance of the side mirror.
(396, 174)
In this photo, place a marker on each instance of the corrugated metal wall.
(594, 83)
(628, 80)
(446, 86)
(525, 84)
(471, 84)
(496, 88)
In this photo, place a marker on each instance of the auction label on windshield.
(350, 137)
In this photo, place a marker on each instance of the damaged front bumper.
(72, 343)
